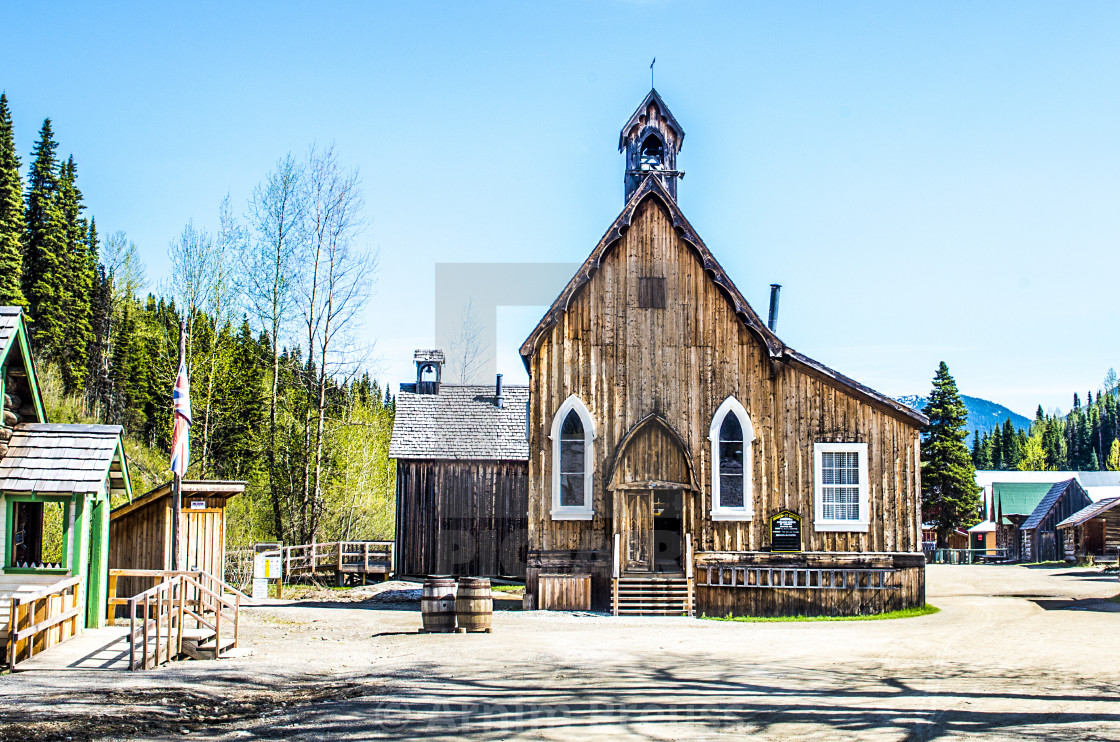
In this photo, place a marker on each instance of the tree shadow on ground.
(686, 698)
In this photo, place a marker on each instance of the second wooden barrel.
(437, 605)
(474, 604)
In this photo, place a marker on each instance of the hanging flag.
(180, 431)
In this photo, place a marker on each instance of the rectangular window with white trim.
(841, 484)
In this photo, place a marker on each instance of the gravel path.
(1016, 653)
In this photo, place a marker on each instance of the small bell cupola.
(429, 370)
(651, 140)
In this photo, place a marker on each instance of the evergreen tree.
(76, 290)
(985, 461)
(976, 455)
(997, 449)
(11, 214)
(950, 497)
(43, 283)
(1010, 444)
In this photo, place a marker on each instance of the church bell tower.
(651, 140)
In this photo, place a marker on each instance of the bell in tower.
(651, 140)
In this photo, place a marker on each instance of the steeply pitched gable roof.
(1048, 502)
(635, 120)
(652, 188)
(1090, 512)
(62, 458)
(460, 422)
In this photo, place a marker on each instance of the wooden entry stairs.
(184, 615)
(653, 593)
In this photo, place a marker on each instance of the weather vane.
(651, 71)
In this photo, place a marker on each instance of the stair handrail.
(167, 594)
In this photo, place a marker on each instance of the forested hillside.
(1087, 439)
(275, 351)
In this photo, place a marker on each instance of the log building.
(685, 458)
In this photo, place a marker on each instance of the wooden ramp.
(93, 649)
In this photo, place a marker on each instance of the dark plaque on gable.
(785, 531)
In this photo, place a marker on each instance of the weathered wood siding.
(681, 363)
(141, 539)
(461, 517)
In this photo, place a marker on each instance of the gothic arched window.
(732, 436)
(573, 436)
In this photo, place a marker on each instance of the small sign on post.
(266, 568)
(785, 532)
(198, 504)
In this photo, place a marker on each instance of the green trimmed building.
(56, 482)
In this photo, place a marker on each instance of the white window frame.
(732, 406)
(587, 510)
(850, 526)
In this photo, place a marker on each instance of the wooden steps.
(654, 596)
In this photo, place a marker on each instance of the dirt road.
(1016, 653)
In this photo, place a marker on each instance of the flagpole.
(177, 481)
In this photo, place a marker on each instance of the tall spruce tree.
(43, 281)
(78, 267)
(11, 214)
(950, 497)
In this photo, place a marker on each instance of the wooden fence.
(41, 619)
(341, 557)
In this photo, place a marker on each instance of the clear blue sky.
(928, 182)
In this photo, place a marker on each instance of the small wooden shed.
(462, 475)
(1093, 531)
(140, 532)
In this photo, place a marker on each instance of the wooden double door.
(652, 529)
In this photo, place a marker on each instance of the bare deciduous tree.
(219, 304)
(335, 286)
(468, 352)
(192, 274)
(276, 214)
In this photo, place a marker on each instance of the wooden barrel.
(437, 605)
(474, 605)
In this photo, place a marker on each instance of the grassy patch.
(1115, 599)
(925, 610)
(508, 588)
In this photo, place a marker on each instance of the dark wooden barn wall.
(681, 362)
(1044, 543)
(462, 517)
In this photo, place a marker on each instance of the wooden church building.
(682, 458)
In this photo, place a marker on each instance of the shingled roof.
(460, 422)
(1047, 503)
(9, 324)
(1090, 512)
(50, 457)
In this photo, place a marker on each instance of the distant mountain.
(982, 414)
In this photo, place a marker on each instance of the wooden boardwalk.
(93, 649)
(354, 560)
